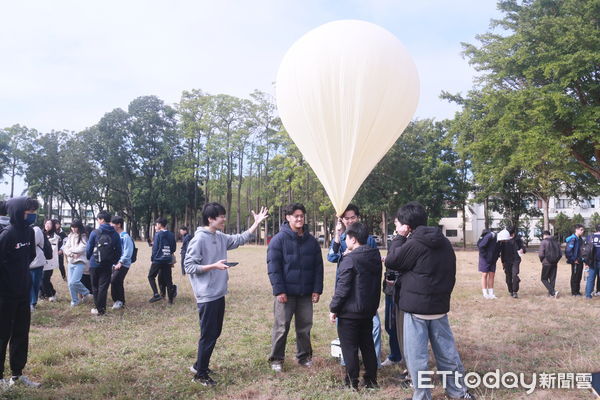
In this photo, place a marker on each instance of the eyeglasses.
(299, 216)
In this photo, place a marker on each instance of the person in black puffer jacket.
(427, 264)
(295, 265)
(354, 304)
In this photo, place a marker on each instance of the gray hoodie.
(207, 248)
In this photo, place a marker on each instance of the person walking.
(573, 255)
(74, 250)
(488, 255)
(510, 246)
(163, 251)
(121, 269)
(47, 289)
(549, 254)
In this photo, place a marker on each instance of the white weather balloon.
(345, 92)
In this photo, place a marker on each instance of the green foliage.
(594, 221)
(562, 226)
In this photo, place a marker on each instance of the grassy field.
(145, 350)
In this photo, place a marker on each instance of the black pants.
(211, 324)
(549, 277)
(100, 282)
(165, 278)
(87, 281)
(117, 290)
(61, 266)
(15, 317)
(512, 275)
(576, 274)
(357, 334)
(47, 288)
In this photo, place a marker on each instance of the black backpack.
(105, 250)
(587, 250)
(48, 253)
(135, 251)
(553, 253)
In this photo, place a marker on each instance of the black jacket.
(163, 247)
(428, 266)
(17, 251)
(357, 285)
(509, 250)
(295, 263)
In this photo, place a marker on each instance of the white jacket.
(53, 262)
(75, 252)
(40, 259)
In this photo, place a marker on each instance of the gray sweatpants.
(302, 308)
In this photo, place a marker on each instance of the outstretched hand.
(261, 216)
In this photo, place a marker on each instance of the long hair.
(52, 231)
(80, 229)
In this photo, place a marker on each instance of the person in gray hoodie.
(207, 269)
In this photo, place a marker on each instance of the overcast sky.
(64, 64)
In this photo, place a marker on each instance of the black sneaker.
(371, 385)
(515, 295)
(155, 298)
(205, 381)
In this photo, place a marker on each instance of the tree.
(13, 144)
(594, 221)
(562, 226)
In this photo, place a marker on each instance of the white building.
(475, 221)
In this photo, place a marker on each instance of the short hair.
(359, 232)
(212, 210)
(184, 228)
(511, 230)
(351, 207)
(104, 215)
(578, 226)
(161, 221)
(546, 233)
(31, 204)
(117, 220)
(3, 208)
(291, 208)
(412, 214)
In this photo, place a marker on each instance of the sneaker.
(486, 296)
(514, 295)
(155, 298)
(277, 367)
(94, 311)
(32, 307)
(23, 380)
(307, 363)
(74, 303)
(371, 385)
(205, 381)
(194, 371)
(556, 294)
(467, 395)
(492, 296)
(389, 362)
(52, 298)
(118, 304)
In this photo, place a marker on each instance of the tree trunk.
(546, 213)
(464, 224)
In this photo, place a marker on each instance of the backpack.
(134, 254)
(48, 253)
(587, 250)
(553, 253)
(104, 251)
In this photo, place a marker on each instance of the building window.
(451, 233)
(563, 203)
(89, 214)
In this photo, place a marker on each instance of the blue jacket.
(572, 250)
(295, 263)
(336, 250)
(127, 244)
(91, 244)
(163, 247)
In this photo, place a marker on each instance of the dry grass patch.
(145, 350)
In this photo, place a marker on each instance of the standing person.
(185, 241)
(17, 251)
(208, 275)
(510, 246)
(47, 291)
(337, 250)
(549, 254)
(74, 249)
(61, 257)
(295, 266)
(573, 255)
(488, 255)
(354, 304)
(163, 250)
(36, 268)
(121, 269)
(103, 250)
(593, 262)
(428, 273)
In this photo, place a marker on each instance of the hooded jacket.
(40, 258)
(427, 264)
(488, 250)
(17, 250)
(163, 247)
(115, 241)
(75, 249)
(295, 263)
(207, 248)
(509, 249)
(357, 292)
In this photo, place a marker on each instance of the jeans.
(211, 324)
(591, 279)
(36, 283)
(390, 327)
(302, 308)
(417, 333)
(75, 285)
(357, 334)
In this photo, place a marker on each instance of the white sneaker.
(52, 299)
(23, 380)
(94, 311)
(556, 294)
(193, 370)
(118, 304)
(31, 308)
(486, 296)
(389, 362)
(277, 367)
(307, 363)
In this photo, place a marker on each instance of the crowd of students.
(507, 246)
(418, 283)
